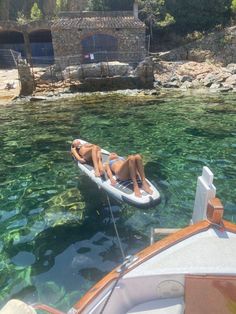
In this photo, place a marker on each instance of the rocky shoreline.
(195, 75)
(182, 75)
(171, 75)
(206, 64)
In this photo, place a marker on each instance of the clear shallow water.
(56, 235)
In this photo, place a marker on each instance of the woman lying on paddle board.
(125, 169)
(145, 195)
(86, 153)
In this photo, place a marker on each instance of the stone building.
(76, 36)
(84, 37)
(32, 40)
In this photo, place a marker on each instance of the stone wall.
(131, 43)
(25, 29)
(67, 44)
(28, 28)
(72, 28)
(100, 76)
(67, 41)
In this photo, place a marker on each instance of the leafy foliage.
(48, 7)
(97, 5)
(198, 14)
(21, 18)
(180, 16)
(61, 5)
(155, 14)
(20, 8)
(36, 13)
(4, 9)
(233, 6)
(112, 5)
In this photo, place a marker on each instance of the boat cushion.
(160, 306)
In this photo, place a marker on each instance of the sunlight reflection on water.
(57, 237)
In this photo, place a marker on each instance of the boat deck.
(211, 251)
(162, 285)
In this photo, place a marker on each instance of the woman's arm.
(77, 156)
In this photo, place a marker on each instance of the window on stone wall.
(99, 47)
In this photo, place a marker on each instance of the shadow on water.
(208, 133)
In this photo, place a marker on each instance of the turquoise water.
(56, 234)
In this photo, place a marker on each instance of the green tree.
(233, 8)
(21, 19)
(4, 9)
(25, 6)
(97, 5)
(121, 5)
(61, 5)
(198, 15)
(155, 14)
(36, 13)
(110, 5)
(48, 7)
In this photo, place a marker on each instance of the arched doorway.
(41, 47)
(10, 41)
(99, 47)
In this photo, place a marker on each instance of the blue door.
(99, 47)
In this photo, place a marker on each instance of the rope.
(115, 227)
(123, 266)
(113, 288)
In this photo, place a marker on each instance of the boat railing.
(161, 232)
(205, 192)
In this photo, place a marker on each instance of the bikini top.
(111, 162)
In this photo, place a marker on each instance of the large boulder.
(119, 68)
(27, 84)
(231, 80)
(145, 71)
(95, 70)
(52, 73)
(231, 68)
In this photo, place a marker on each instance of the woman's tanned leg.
(95, 160)
(140, 168)
(121, 169)
(99, 158)
(133, 175)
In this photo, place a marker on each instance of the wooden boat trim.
(47, 308)
(149, 252)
